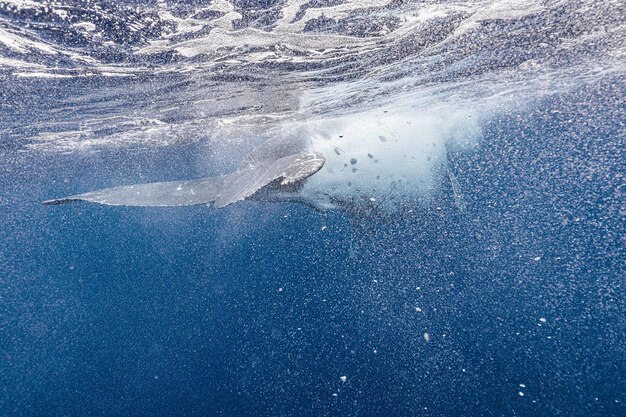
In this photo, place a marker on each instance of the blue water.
(254, 310)
(513, 306)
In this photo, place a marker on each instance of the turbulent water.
(157, 73)
(502, 295)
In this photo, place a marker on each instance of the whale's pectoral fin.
(222, 190)
(157, 194)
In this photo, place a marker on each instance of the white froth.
(22, 44)
(36, 74)
(382, 159)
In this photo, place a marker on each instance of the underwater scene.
(313, 208)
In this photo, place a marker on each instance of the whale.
(280, 166)
(375, 164)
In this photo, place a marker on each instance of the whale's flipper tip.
(58, 201)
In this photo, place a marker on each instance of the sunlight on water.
(191, 68)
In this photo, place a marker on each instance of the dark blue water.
(260, 309)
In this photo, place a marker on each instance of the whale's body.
(373, 165)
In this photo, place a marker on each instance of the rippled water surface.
(497, 290)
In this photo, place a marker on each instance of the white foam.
(253, 38)
(15, 63)
(88, 26)
(383, 159)
(339, 11)
(22, 44)
(503, 10)
(40, 75)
